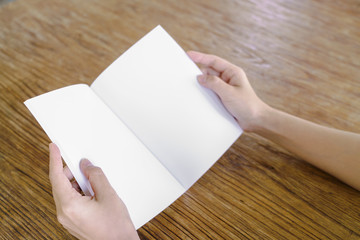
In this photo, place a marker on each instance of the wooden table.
(302, 57)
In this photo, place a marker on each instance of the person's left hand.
(103, 216)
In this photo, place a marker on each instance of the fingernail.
(85, 162)
(52, 145)
(201, 78)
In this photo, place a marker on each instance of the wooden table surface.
(302, 57)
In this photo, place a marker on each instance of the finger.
(215, 84)
(210, 71)
(60, 183)
(98, 181)
(55, 164)
(234, 76)
(68, 173)
(212, 61)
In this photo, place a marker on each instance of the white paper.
(153, 89)
(84, 127)
(145, 121)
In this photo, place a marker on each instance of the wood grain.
(302, 57)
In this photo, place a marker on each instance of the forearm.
(334, 151)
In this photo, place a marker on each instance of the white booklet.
(145, 121)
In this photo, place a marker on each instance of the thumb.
(97, 179)
(215, 84)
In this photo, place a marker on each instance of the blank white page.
(84, 127)
(152, 87)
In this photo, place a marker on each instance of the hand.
(103, 216)
(230, 83)
(336, 152)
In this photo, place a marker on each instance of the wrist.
(127, 232)
(262, 120)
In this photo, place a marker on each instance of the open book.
(145, 121)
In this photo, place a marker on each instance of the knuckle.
(66, 212)
(64, 221)
(61, 219)
(213, 79)
(216, 82)
(231, 73)
(241, 72)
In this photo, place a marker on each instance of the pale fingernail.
(85, 162)
(201, 78)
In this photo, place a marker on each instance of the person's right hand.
(230, 83)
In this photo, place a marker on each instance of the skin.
(105, 216)
(334, 151)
